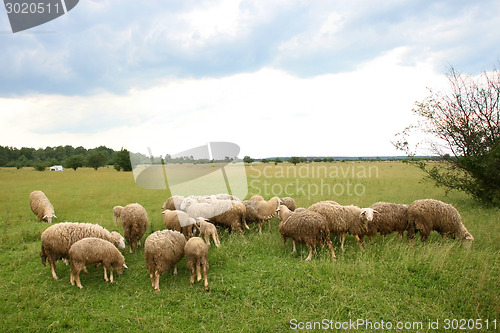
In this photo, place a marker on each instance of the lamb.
(134, 222)
(308, 227)
(289, 203)
(117, 211)
(343, 219)
(173, 203)
(41, 206)
(58, 238)
(163, 249)
(94, 250)
(208, 230)
(197, 256)
(264, 211)
(428, 214)
(179, 221)
(392, 218)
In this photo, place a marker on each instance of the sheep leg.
(342, 242)
(77, 278)
(198, 271)
(371, 240)
(175, 269)
(294, 247)
(157, 282)
(310, 253)
(53, 270)
(72, 278)
(216, 240)
(207, 238)
(330, 245)
(106, 274)
(192, 270)
(359, 243)
(259, 224)
(111, 276)
(205, 275)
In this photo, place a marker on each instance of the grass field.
(256, 284)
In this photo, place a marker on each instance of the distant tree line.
(67, 156)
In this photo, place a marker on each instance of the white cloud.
(267, 112)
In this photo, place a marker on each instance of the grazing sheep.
(227, 213)
(343, 219)
(134, 222)
(58, 238)
(179, 221)
(307, 227)
(173, 203)
(94, 250)
(289, 202)
(197, 256)
(392, 218)
(41, 206)
(117, 212)
(163, 249)
(257, 197)
(264, 211)
(428, 214)
(208, 230)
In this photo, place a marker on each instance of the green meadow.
(256, 283)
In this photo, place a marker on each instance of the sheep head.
(367, 214)
(118, 240)
(49, 217)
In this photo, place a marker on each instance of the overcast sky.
(276, 77)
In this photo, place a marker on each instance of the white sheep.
(134, 222)
(163, 249)
(227, 213)
(343, 219)
(94, 250)
(264, 211)
(196, 252)
(392, 218)
(283, 212)
(429, 214)
(179, 221)
(207, 230)
(307, 227)
(41, 206)
(117, 212)
(58, 238)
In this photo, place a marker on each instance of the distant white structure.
(56, 168)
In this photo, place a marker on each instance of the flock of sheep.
(85, 243)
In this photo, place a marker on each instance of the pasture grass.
(256, 283)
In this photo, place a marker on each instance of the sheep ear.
(376, 213)
(125, 266)
(363, 213)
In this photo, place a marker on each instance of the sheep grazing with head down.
(346, 219)
(93, 250)
(428, 214)
(197, 257)
(134, 222)
(173, 203)
(392, 218)
(58, 239)
(117, 212)
(207, 230)
(289, 203)
(307, 227)
(163, 249)
(261, 210)
(179, 221)
(41, 206)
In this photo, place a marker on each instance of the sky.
(276, 77)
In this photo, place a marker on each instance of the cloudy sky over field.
(276, 77)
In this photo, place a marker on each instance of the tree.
(463, 123)
(74, 162)
(295, 160)
(97, 159)
(122, 160)
(247, 159)
(277, 160)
